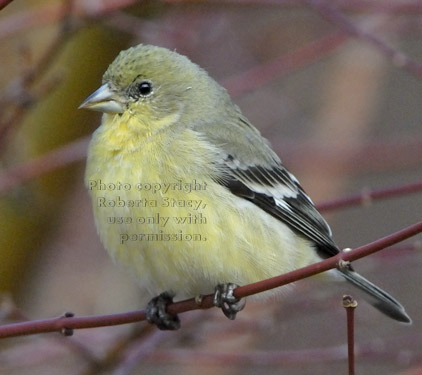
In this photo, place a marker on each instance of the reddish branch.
(404, 151)
(41, 16)
(50, 13)
(265, 73)
(4, 3)
(20, 94)
(334, 16)
(367, 196)
(67, 324)
(239, 84)
(329, 263)
(350, 304)
(47, 163)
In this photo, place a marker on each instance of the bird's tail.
(377, 297)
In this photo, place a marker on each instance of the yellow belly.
(171, 238)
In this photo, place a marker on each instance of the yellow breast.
(160, 213)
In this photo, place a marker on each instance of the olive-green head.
(156, 82)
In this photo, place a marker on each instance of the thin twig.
(288, 63)
(64, 324)
(350, 304)
(367, 196)
(18, 94)
(76, 151)
(4, 3)
(58, 158)
(52, 13)
(330, 263)
(383, 154)
(398, 58)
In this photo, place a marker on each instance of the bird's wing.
(277, 191)
(253, 171)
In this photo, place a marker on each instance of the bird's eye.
(145, 88)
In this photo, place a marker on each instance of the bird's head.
(152, 82)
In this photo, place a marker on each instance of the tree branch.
(367, 196)
(66, 324)
(4, 3)
(397, 58)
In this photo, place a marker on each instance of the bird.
(189, 197)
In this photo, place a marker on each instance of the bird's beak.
(104, 100)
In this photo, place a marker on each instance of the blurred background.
(336, 88)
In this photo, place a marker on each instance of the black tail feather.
(377, 297)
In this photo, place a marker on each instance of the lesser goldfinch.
(186, 192)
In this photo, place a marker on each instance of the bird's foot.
(224, 298)
(156, 312)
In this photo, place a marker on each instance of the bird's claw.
(156, 312)
(224, 298)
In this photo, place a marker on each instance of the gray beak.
(104, 100)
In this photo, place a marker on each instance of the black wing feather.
(296, 210)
